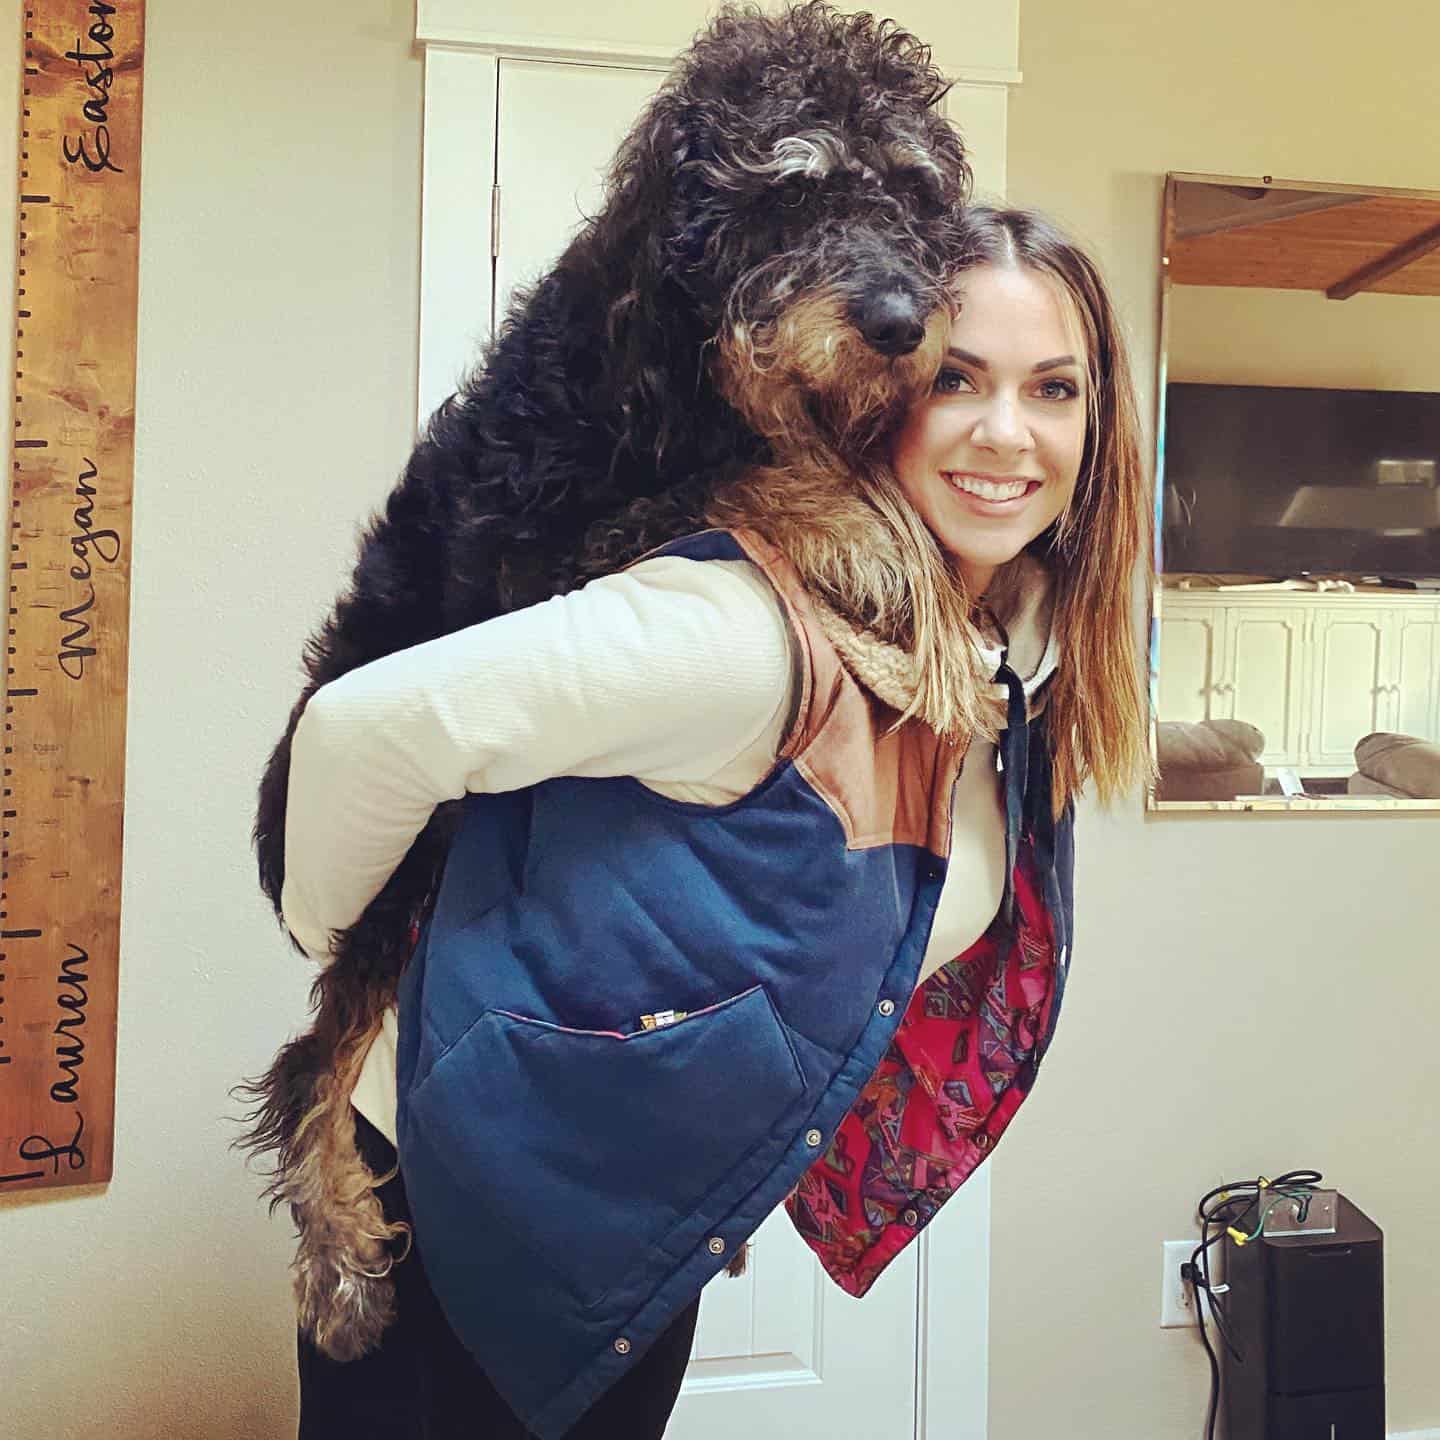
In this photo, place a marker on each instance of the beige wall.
(1249, 994)
(276, 400)
(1237, 335)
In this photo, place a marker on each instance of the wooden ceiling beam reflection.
(1228, 235)
(1401, 256)
(1233, 207)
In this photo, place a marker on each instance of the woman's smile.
(996, 492)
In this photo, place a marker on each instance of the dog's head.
(797, 187)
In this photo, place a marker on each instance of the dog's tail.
(302, 1122)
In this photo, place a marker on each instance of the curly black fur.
(787, 154)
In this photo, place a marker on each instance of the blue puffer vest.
(577, 1171)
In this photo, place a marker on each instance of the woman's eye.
(952, 382)
(1059, 390)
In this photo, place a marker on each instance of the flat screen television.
(1275, 481)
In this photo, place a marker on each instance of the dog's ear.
(693, 205)
(660, 198)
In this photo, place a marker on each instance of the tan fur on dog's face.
(809, 381)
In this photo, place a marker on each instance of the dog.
(761, 289)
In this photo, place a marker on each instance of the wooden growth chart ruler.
(69, 567)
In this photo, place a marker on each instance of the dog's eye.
(791, 194)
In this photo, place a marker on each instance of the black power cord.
(1225, 1210)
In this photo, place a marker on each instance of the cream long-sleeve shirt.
(678, 673)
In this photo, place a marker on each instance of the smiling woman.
(990, 460)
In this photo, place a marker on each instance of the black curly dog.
(790, 159)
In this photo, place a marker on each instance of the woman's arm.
(666, 671)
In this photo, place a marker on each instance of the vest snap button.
(622, 1346)
(717, 1246)
(813, 1138)
(887, 1007)
(911, 1218)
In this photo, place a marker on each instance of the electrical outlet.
(1177, 1299)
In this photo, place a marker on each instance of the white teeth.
(989, 489)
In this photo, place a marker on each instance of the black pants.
(422, 1384)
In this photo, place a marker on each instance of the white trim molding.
(569, 51)
(574, 51)
(953, 1317)
(457, 180)
(563, 50)
(465, 25)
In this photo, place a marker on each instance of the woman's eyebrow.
(968, 357)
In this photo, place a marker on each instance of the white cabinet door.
(1264, 649)
(1417, 677)
(1351, 680)
(1192, 638)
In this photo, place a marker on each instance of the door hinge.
(494, 221)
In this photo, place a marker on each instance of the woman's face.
(990, 458)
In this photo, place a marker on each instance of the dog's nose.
(889, 323)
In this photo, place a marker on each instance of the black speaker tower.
(1308, 1316)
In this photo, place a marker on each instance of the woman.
(763, 889)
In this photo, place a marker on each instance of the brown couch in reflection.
(1208, 759)
(1400, 765)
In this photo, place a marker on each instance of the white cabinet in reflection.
(1265, 680)
(1237, 661)
(1192, 636)
(1418, 649)
(1354, 681)
(1314, 673)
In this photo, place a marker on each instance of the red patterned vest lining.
(941, 1099)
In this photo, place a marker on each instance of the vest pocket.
(588, 1146)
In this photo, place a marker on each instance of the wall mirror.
(1295, 634)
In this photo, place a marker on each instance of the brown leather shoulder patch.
(885, 788)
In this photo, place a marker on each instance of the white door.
(559, 126)
(781, 1351)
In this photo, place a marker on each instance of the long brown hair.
(1097, 703)
(859, 543)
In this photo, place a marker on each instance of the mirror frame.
(1277, 804)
